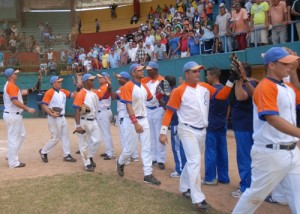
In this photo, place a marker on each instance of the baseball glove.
(56, 109)
(164, 88)
(235, 73)
(84, 109)
(82, 132)
(38, 83)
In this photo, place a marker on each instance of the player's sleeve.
(223, 94)
(126, 93)
(48, 97)
(265, 98)
(297, 92)
(12, 90)
(79, 99)
(66, 92)
(149, 95)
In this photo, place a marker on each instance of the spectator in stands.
(209, 7)
(132, 51)
(141, 53)
(259, 20)
(52, 67)
(13, 44)
(43, 68)
(151, 13)
(193, 44)
(105, 63)
(50, 55)
(296, 13)
(2, 42)
(207, 34)
(123, 56)
(63, 56)
(222, 28)
(87, 64)
(97, 23)
(14, 30)
(240, 25)
(174, 46)
(278, 15)
(113, 8)
(81, 56)
(113, 59)
(13, 60)
(149, 52)
(1, 60)
(184, 44)
(134, 19)
(149, 38)
(79, 24)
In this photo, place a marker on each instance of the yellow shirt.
(258, 12)
(104, 60)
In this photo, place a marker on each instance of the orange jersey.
(152, 85)
(192, 103)
(56, 98)
(11, 92)
(136, 94)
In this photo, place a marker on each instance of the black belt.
(103, 109)
(89, 119)
(154, 107)
(12, 112)
(139, 117)
(61, 115)
(282, 147)
(194, 127)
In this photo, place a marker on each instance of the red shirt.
(184, 44)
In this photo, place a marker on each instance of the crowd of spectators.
(191, 28)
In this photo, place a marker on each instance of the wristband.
(246, 80)
(77, 126)
(229, 83)
(133, 119)
(163, 130)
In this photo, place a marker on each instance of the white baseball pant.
(193, 142)
(15, 136)
(158, 150)
(103, 120)
(58, 128)
(269, 168)
(130, 137)
(89, 141)
(279, 195)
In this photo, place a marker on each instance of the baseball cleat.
(174, 175)
(109, 157)
(161, 166)
(202, 206)
(69, 158)
(120, 168)
(21, 165)
(77, 152)
(89, 168)
(43, 156)
(237, 194)
(187, 194)
(93, 163)
(210, 183)
(150, 179)
(103, 155)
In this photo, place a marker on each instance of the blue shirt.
(173, 45)
(194, 48)
(217, 111)
(113, 60)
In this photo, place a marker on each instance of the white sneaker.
(135, 159)
(174, 175)
(237, 194)
(128, 162)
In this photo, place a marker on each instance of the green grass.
(88, 193)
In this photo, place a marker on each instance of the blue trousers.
(178, 152)
(216, 156)
(244, 142)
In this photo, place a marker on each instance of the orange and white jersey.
(136, 94)
(272, 97)
(90, 99)
(11, 92)
(192, 103)
(152, 85)
(56, 98)
(105, 101)
(121, 107)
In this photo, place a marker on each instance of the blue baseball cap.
(9, 71)
(278, 54)
(55, 78)
(103, 74)
(123, 74)
(87, 76)
(136, 66)
(192, 66)
(152, 65)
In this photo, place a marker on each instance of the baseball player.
(86, 110)
(123, 77)
(53, 104)
(275, 154)
(216, 154)
(135, 94)
(105, 114)
(12, 116)
(163, 95)
(155, 113)
(191, 102)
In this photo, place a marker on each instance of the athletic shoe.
(93, 163)
(77, 152)
(210, 183)
(120, 168)
(43, 156)
(69, 158)
(237, 194)
(187, 194)
(109, 157)
(150, 179)
(161, 166)
(89, 168)
(135, 159)
(154, 163)
(21, 165)
(103, 155)
(202, 206)
(174, 175)
(270, 200)
(128, 162)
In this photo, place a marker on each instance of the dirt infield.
(37, 135)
